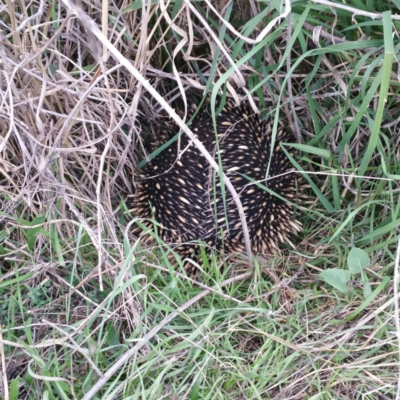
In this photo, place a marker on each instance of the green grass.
(87, 311)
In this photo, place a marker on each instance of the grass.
(88, 311)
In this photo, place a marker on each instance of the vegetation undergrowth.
(88, 311)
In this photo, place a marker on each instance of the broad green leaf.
(337, 278)
(357, 260)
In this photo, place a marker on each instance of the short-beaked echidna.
(182, 193)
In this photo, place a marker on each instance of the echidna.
(180, 191)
